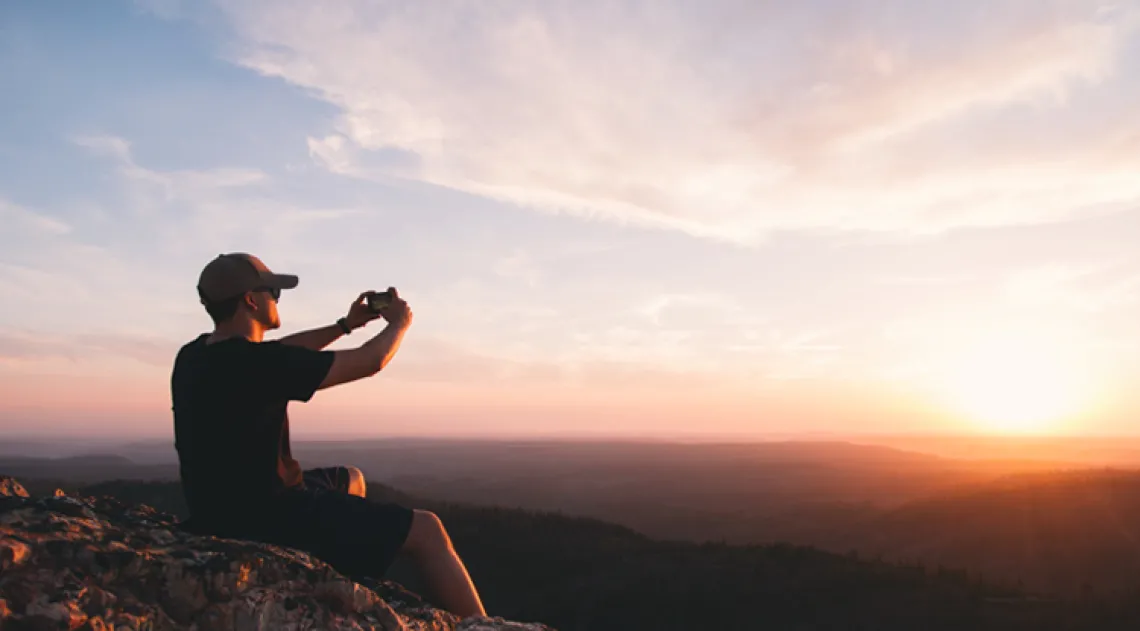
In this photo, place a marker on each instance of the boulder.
(95, 563)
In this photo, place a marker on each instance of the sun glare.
(1016, 383)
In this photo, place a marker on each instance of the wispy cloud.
(206, 205)
(1075, 289)
(439, 360)
(725, 119)
(518, 266)
(112, 146)
(138, 245)
(447, 361)
(166, 186)
(700, 307)
(28, 347)
(18, 218)
(166, 9)
(21, 348)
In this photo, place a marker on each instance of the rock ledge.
(97, 564)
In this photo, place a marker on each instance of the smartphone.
(380, 300)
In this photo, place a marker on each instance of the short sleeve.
(289, 372)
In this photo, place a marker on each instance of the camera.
(380, 300)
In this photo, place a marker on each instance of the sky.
(721, 218)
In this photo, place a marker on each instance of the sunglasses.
(274, 292)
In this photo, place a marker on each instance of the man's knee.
(427, 534)
(356, 484)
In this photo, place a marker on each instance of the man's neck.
(248, 329)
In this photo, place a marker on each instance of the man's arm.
(367, 360)
(317, 339)
(372, 356)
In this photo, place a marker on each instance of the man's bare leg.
(431, 551)
(444, 574)
(356, 485)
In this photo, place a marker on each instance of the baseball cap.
(231, 275)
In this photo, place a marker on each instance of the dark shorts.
(357, 536)
(328, 478)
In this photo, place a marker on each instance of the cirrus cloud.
(726, 119)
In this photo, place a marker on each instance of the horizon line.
(48, 436)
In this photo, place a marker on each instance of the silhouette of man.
(230, 390)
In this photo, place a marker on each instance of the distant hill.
(737, 493)
(44, 474)
(583, 574)
(1070, 532)
(65, 463)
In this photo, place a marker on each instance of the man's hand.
(398, 313)
(359, 314)
(374, 354)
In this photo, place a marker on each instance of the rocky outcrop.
(95, 564)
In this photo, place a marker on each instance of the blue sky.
(609, 217)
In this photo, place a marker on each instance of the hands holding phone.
(374, 354)
(371, 305)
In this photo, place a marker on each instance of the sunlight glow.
(1016, 382)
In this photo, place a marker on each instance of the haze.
(678, 219)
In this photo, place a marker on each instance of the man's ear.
(250, 302)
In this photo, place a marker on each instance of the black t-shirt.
(231, 423)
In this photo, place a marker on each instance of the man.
(230, 390)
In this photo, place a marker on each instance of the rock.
(32, 622)
(65, 614)
(95, 624)
(98, 601)
(96, 564)
(492, 624)
(13, 552)
(388, 618)
(11, 488)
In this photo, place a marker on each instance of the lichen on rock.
(86, 563)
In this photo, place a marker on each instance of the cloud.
(212, 205)
(692, 308)
(437, 359)
(19, 283)
(25, 347)
(137, 246)
(148, 350)
(1087, 289)
(172, 184)
(332, 153)
(18, 218)
(725, 119)
(518, 265)
(20, 348)
(111, 146)
(165, 9)
(441, 360)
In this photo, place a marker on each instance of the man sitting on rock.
(230, 390)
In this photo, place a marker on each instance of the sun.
(1015, 383)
